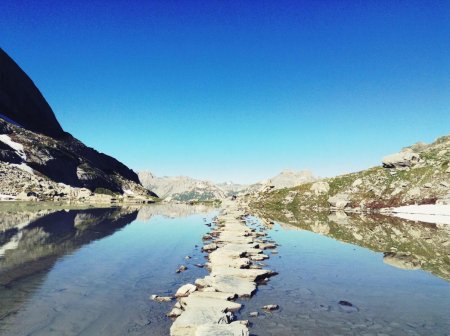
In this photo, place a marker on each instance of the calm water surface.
(91, 272)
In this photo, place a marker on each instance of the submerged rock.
(158, 298)
(348, 307)
(271, 307)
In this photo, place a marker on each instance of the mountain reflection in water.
(34, 236)
(405, 244)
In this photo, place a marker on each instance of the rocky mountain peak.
(21, 102)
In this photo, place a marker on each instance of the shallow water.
(91, 272)
(316, 272)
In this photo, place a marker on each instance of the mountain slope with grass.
(419, 174)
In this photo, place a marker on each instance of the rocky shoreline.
(235, 254)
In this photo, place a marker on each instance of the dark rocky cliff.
(22, 102)
(32, 140)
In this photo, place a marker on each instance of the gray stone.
(320, 188)
(405, 158)
(339, 201)
(185, 290)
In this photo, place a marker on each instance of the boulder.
(320, 188)
(209, 247)
(401, 260)
(175, 312)
(271, 307)
(339, 201)
(185, 290)
(357, 182)
(405, 158)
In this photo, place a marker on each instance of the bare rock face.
(406, 158)
(22, 103)
(32, 140)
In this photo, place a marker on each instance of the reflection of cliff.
(35, 246)
(406, 244)
(172, 210)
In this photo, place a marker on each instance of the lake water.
(91, 272)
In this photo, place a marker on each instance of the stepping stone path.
(207, 308)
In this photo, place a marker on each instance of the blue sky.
(239, 90)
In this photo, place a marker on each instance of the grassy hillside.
(423, 182)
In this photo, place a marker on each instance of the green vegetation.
(374, 188)
(104, 191)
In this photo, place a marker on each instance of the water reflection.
(405, 244)
(29, 247)
(73, 270)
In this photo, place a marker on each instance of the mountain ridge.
(39, 160)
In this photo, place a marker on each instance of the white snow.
(14, 145)
(11, 245)
(24, 167)
(429, 213)
(4, 197)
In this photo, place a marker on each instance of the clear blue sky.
(238, 90)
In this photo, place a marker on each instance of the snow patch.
(428, 213)
(4, 197)
(24, 167)
(11, 245)
(14, 145)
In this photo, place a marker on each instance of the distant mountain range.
(40, 161)
(187, 189)
(181, 188)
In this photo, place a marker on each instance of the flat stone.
(213, 295)
(209, 247)
(232, 329)
(185, 290)
(199, 302)
(259, 257)
(189, 321)
(175, 312)
(240, 286)
(250, 274)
